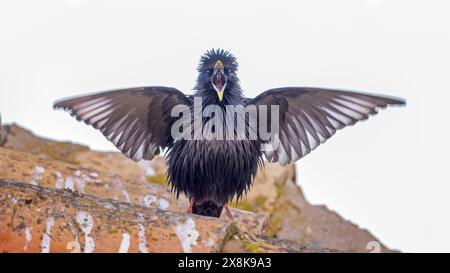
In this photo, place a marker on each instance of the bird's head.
(217, 72)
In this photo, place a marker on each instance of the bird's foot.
(191, 204)
(227, 209)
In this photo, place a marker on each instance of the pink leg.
(191, 204)
(227, 209)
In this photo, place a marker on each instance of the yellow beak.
(220, 95)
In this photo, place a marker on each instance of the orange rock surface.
(63, 197)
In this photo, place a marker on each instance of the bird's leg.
(227, 209)
(191, 204)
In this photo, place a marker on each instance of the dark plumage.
(213, 172)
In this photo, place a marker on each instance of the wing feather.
(136, 120)
(310, 116)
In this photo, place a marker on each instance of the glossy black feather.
(214, 170)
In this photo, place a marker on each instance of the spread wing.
(310, 116)
(136, 120)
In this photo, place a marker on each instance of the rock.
(274, 217)
(262, 244)
(17, 138)
(293, 218)
(39, 219)
(31, 169)
(79, 156)
(290, 217)
(45, 172)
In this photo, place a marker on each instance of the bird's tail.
(207, 208)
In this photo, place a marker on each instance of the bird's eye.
(227, 70)
(210, 71)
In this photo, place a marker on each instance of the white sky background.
(388, 174)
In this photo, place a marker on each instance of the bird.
(213, 172)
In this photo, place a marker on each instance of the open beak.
(219, 79)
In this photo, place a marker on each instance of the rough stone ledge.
(40, 219)
(273, 217)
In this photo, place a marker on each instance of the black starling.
(213, 171)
